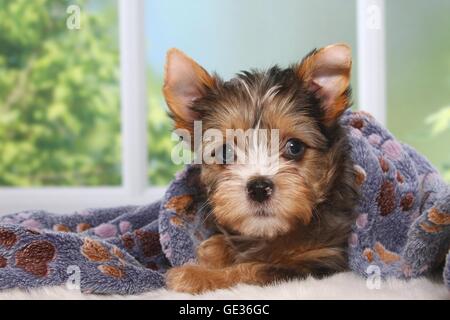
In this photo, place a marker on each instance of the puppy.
(286, 216)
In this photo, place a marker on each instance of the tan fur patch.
(182, 205)
(384, 164)
(196, 279)
(430, 228)
(81, 227)
(117, 253)
(215, 252)
(360, 175)
(176, 221)
(95, 251)
(385, 255)
(111, 271)
(368, 253)
(61, 228)
(438, 217)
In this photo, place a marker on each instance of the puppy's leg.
(197, 278)
(215, 252)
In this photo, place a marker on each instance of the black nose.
(259, 189)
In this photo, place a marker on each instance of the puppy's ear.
(184, 82)
(326, 73)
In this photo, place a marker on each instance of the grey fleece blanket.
(402, 228)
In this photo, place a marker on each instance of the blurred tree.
(59, 98)
(59, 94)
(160, 143)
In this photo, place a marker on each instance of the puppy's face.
(277, 156)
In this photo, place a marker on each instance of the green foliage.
(59, 98)
(59, 95)
(161, 166)
(440, 123)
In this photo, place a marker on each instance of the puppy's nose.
(259, 189)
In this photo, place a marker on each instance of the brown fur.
(303, 228)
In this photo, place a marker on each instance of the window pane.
(229, 36)
(418, 76)
(59, 93)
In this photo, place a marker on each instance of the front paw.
(192, 279)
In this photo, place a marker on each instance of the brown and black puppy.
(285, 216)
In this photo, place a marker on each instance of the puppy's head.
(282, 159)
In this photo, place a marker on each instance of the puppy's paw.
(192, 279)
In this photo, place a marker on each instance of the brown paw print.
(360, 175)
(385, 255)
(384, 164)
(3, 262)
(128, 241)
(95, 251)
(357, 123)
(35, 256)
(183, 206)
(430, 228)
(61, 228)
(7, 238)
(438, 217)
(149, 242)
(386, 198)
(399, 177)
(111, 271)
(407, 202)
(81, 227)
(368, 254)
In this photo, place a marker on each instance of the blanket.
(402, 228)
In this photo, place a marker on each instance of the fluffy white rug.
(340, 286)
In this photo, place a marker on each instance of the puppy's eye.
(225, 154)
(294, 149)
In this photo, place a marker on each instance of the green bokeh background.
(59, 88)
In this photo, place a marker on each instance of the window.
(59, 95)
(418, 76)
(230, 36)
(83, 119)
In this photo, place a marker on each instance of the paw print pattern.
(386, 198)
(35, 257)
(3, 262)
(7, 238)
(94, 251)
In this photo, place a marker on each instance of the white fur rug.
(340, 286)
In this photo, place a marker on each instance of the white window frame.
(135, 188)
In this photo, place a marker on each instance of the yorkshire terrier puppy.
(281, 219)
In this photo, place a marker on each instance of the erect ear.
(326, 72)
(184, 82)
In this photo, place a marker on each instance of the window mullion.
(371, 58)
(133, 96)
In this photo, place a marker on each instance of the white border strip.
(371, 58)
(133, 96)
(66, 200)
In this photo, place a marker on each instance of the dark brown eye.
(294, 149)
